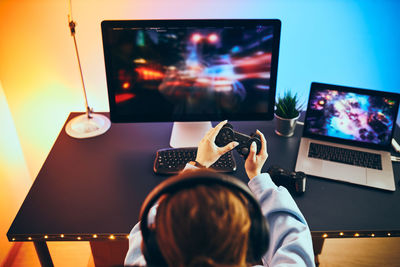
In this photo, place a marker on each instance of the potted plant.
(287, 113)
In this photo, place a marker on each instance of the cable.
(395, 145)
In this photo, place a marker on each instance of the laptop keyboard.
(346, 156)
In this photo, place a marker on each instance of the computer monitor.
(191, 70)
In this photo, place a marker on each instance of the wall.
(14, 176)
(347, 42)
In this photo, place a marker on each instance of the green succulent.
(288, 106)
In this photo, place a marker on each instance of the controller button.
(244, 150)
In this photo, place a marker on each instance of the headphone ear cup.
(258, 236)
(151, 251)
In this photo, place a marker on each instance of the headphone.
(259, 229)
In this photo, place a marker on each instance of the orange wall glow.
(39, 69)
(14, 176)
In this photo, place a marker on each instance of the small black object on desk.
(295, 182)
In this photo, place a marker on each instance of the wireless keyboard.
(173, 160)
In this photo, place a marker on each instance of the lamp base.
(84, 127)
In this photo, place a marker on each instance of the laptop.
(347, 135)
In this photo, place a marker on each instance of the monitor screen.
(355, 115)
(191, 70)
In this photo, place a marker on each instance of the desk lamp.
(89, 124)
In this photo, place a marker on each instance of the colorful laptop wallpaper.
(351, 116)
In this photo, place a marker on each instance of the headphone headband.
(192, 178)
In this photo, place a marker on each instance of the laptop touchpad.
(343, 172)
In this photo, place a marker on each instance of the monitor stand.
(188, 134)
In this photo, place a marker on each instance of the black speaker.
(259, 230)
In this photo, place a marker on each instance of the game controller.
(295, 182)
(227, 135)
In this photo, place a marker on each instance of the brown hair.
(203, 226)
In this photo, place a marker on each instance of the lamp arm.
(72, 25)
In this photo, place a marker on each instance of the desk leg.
(318, 243)
(106, 253)
(43, 253)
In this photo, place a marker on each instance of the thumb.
(253, 151)
(228, 147)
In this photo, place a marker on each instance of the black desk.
(92, 189)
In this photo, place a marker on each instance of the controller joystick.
(227, 135)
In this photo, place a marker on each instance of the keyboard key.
(173, 160)
(346, 156)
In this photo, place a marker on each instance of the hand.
(255, 162)
(208, 152)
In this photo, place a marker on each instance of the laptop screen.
(352, 114)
